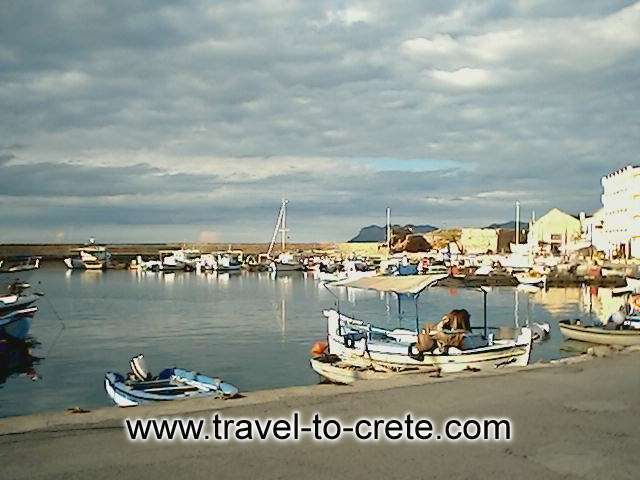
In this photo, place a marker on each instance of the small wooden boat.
(171, 384)
(575, 330)
(335, 370)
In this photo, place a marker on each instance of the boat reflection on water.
(16, 359)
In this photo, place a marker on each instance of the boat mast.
(517, 222)
(283, 230)
(281, 226)
(388, 231)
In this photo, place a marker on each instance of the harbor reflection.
(16, 359)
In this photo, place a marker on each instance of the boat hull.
(17, 324)
(525, 279)
(345, 373)
(599, 335)
(287, 267)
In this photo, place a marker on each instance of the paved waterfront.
(579, 420)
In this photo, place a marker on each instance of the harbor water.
(252, 329)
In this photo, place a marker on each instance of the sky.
(161, 121)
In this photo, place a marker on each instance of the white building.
(621, 205)
(593, 230)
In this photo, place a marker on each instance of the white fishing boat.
(575, 330)
(286, 261)
(531, 278)
(179, 260)
(351, 270)
(634, 283)
(89, 257)
(353, 340)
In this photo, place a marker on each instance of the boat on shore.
(139, 387)
(575, 330)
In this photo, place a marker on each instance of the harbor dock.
(576, 418)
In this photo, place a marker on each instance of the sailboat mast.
(283, 231)
(275, 232)
(388, 231)
(517, 222)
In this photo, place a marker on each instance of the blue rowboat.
(170, 384)
(17, 323)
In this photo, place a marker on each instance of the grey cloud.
(315, 81)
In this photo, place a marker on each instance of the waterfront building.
(621, 216)
(593, 230)
(556, 228)
(479, 240)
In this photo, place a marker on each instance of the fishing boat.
(178, 260)
(286, 261)
(634, 283)
(17, 323)
(227, 262)
(31, 263)
(575, 330)
(89, 257)
(531, 278)
(140, 387)
(351, 271)
(353, 340)
(15, 299)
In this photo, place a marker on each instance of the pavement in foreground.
(577, 421)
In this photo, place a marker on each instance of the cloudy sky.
(184, 121)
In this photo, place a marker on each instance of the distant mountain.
(509, 225)
(374, 233)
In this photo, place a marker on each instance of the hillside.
(508, 225)
(374, 233)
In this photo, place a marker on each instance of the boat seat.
(174, 387)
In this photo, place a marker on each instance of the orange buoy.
(319, 348)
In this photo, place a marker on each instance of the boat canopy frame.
(409, 285)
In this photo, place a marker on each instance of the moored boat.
(634, 283)
(171, 384)
(335, 370)
(17, 323)
(531, 278)
(354, 340)
(89, 257)
(31, 263)
(575, 330)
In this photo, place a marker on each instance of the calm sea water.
(252, 329)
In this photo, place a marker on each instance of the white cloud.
(465, 77)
